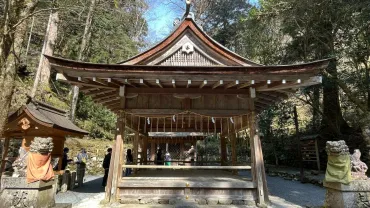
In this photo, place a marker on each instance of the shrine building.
(185, 89)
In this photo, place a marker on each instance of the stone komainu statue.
(20, 164)
(358, 168)
(39, 160)
(339, 163)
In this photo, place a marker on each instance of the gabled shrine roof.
(202, 46)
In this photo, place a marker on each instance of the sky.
(160, 17)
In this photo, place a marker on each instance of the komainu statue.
(358, 168)
(339, 163)
(39, 160)
(337, 148)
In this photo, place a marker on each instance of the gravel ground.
(306, 195)
(90, 191)
(284, 194)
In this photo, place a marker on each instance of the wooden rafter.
(158, 82)
(85, 82)
(87, 89)
(144, 83)
(106, 96)
(217, 84)
(204, 83)
(189, 83)
(232, 84)
(99, 92)
(244, 85)
(126, 82)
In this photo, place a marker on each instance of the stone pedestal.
(18, 193)
(355, 194)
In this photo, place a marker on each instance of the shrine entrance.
(185, 90)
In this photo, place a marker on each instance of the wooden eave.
(188, 23)
(104, 81)
(83, 69)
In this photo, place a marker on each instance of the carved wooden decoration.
(25, 124)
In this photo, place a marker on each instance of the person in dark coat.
(159, 157)
(129, 161)
(65, 159)
(106, 164)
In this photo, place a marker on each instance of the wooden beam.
(187, 91)
(158, 83)
(246, 167)
(232, 84)
(217, 84)
(170, 112)
(204, 83)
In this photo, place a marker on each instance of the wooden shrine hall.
(188, 83)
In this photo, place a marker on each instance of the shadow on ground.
(92, 186)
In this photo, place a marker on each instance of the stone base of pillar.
(18, 193)
(354, 194)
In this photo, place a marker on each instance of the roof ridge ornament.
(187, 14)
(187, 11)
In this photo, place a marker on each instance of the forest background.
(269, 32)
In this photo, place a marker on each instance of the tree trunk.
(75, 91)
(43, 71)
(367, 81)
(316, 108)
(332, 122)
(85, 40)
(10, 65)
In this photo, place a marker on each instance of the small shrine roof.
(48, 116)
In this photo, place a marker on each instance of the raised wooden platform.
(203, 186)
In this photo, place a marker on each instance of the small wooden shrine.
(37, 119)
(188, 83)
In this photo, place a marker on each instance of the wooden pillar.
(144, 150)
(233, 149)
(182, 149)
(152, 150)
(136, 146)
(5, 154)
(136, 150)
(258, 168)
(115, 168)
(223, 150)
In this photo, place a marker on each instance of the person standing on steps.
(106, 164)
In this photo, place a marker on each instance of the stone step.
(63, 205)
